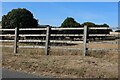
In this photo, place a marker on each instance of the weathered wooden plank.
(47, 41)
(16, 40)
(79, 28)
(99, 28)
(105, 42)
(64, 35)
(54, 41)
(66, 28)
(6, 40)
(63, 48)
(10, 35)
(7, 29)
(85, 40)
(61, 41)
(100, 35)
(103, 49)
(32, 41)
(11, 46)
(31, 29)
(53, 28)
(22, 35)
(31, 46)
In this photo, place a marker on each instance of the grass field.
(64, 63)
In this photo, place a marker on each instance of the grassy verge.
(72, 65)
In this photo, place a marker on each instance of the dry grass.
(64, 63)
(61, 63)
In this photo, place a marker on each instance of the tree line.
(23, 18)
(70, 22)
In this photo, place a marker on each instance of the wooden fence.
(47, 36)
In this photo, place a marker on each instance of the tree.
(102, 25)
(105, 25)
(117, 30)
(89, 24)
(21, 18)
(70, 22)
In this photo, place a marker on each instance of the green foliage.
(103, 25)
(89, 24)
(101, 31)
(70, 22)
(20, 17)
(117, 31)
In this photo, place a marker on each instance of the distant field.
(64, 63)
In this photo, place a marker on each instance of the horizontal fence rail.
(59, 41)
(54, 28)
(31, 41)
(67, 28)
(6, 40)
(10, 35)
(31, 47)
(58, 35)
(47, 40)
(99, 28)
(79, 28)
(56, 47)
(21, 29)
(22, 35)
(7, 29)
(100, 35)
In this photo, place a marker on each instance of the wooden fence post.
(85, 40)
(15, 40)
(47, 40)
